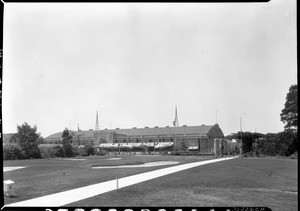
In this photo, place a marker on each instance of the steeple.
(175, 122)
(97, 122)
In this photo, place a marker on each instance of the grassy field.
(46, 176)
(238, 182)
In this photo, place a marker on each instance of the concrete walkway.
(67, 197)
(5, 169)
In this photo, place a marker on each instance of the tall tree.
(67, 137)
(289, 115)
(28, 139)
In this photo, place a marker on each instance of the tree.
(12, 151)
(248, 139)
(67, 137)
(289, 115)
(88, 150)
(28, 139)
(287, 143)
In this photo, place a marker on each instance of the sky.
(134, 62)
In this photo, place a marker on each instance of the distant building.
(191, 136)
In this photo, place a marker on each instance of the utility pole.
(241, 149)
(175, 124)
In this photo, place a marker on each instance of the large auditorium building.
(200, 138)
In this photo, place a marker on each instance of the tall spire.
(97, 122)
(175, 122)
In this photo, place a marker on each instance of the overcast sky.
(135, 62)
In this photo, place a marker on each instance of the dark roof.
(203, 130)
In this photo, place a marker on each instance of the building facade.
(200, 138)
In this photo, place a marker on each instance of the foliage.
(88, 150)
(57, 151)
(272, 144)
(287, 143)
(282, 144)
(28, 139)
(294, 155)
(67, 137)
(231, 148)
(100, 152)
(46, 150)
(247, 138)
(12, 151)
(41, 140)
(78, 150)
(289, 115)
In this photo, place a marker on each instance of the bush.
(101, 152)
(287, 142)
(78, 150)
(13, 151)
(88, 150)
(69, 151)
(57, 151)
(6, 152)
(281, 144)
(46, 150)
(33, 152)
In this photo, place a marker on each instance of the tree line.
(29, 144)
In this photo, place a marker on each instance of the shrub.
(13, 151)
(88, 150)
(101, 152)
(287, 142)
(281, 144)
(78, 150)
(57, 151)
(69, 151)
(46, 150)
(7, 154)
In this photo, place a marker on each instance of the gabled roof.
(203, 130)
(197, 130)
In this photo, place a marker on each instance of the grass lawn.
(47, 176)
(238, 182)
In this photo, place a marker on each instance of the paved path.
(67, 197)
(5, 169)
